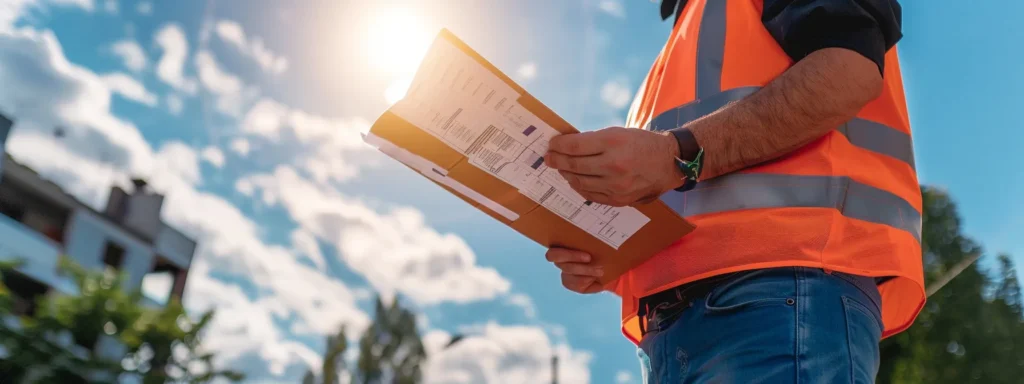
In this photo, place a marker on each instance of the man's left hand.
(617, 166)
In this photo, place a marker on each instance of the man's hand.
(617, 166)
(578, 274)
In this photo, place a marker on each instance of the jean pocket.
(750, 290)
(863, 332)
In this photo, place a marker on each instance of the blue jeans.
(785, 325)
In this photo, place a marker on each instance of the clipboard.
(447, 167)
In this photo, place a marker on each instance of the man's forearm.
(814, 96)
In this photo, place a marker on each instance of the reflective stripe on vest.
(865, 134)
(762, 190)
(753, 190)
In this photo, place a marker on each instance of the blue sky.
(247, 115)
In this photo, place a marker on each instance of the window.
(33, 210)
(163, 282)
(25, 291)
(113, 256)
(13, 211)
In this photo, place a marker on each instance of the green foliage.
(390, 350)
(150, 336)
(334, 361)
(972, 329)
(6, 301)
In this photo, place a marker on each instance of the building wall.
(37, 254)
(175, 247)
(86, 239)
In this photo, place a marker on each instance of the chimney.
(138, 211)
(5, 128)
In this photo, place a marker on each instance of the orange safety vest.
(847, 202)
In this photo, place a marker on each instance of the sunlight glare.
(396, 41)
(396, 91)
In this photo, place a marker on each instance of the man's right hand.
(579, 274)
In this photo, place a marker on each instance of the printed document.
(480, 117)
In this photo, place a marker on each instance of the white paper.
(473, 111)
(436, 173)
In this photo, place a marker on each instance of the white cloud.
(110, 6)
(229, 243)
(131, 54)
(213, 77)
(12, 10)
(170, 69)
(527, 71)
(304, 243)
(232, 33)
(175, 104)
(214, 156)
(175, 159)
(226, 86)
(42, 90)
(616, 93)
(240, 146)
(494, 353)
(87, 5)
(329, 149)
(396, 251)
(612, 7)
(144, 8)
(525, 303)
(130, 88)
(623, 377)
(245, 187)
(99, 150)
(77, 174)
(247, 326)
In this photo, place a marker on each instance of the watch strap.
(691, 159)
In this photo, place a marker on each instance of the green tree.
(333, 363)
(971, 329)
(390, 350)
(103, 307)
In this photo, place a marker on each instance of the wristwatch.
(691, 158)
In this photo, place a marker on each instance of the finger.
(604, 198)
(579, 269)
(564, 255)
(584, 165)
(580, 284)
(594, 287)
(585, 182)
(577, 144)
(648, 198)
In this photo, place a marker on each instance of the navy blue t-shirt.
(868, 27)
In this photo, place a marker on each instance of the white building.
(39, 222)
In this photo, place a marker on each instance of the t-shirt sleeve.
(868, 27)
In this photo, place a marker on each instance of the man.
(780, 129)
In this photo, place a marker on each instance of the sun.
(396, 41)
